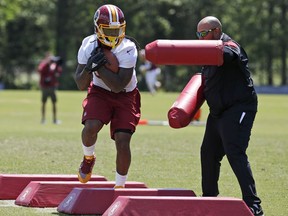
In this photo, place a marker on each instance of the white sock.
(88, 151)
(120, 179)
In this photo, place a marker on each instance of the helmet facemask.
(110, 35)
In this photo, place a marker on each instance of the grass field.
(162, 157)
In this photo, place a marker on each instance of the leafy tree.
(24, 38)
(35, 27)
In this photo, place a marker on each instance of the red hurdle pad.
(167, 205)
(11, 185)
(52, 193)
(97, 200)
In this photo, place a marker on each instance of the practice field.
(162, 157)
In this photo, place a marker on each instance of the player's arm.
(84, 72)
(82, 77)
(116, 81)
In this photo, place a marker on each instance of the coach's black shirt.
(229, 87)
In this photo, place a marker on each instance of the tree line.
(30, 28)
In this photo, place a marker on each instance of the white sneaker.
(57, 122)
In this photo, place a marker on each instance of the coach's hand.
(96, 60)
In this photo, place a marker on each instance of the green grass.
(162, 157)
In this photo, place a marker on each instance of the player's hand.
(96, 60)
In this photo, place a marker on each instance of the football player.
(113, 96)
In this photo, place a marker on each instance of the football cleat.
(118, 187)
(85, 169)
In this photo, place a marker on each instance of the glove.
(95, 61)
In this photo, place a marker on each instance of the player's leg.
(96, 113)
(89, 138)
(43, 112)
(122, 127)
(44, 97)
(150, 82)
(123, 157)
(212, 153)
(54, 106)
(155, 81)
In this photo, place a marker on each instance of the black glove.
(95, 61)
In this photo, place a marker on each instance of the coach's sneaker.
(85, 170)
(256, 210)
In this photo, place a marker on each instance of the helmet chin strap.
(100, 44)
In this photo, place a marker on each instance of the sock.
(120, 179)
(88, 151)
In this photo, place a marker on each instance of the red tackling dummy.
(185, 52)
(187, 104)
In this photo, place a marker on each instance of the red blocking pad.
(185, 52)
(97, 200)
(192, 206)
(11, 185)
(188, 103)
(52, 193)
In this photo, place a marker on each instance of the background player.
(151, 73)
(50, 70)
